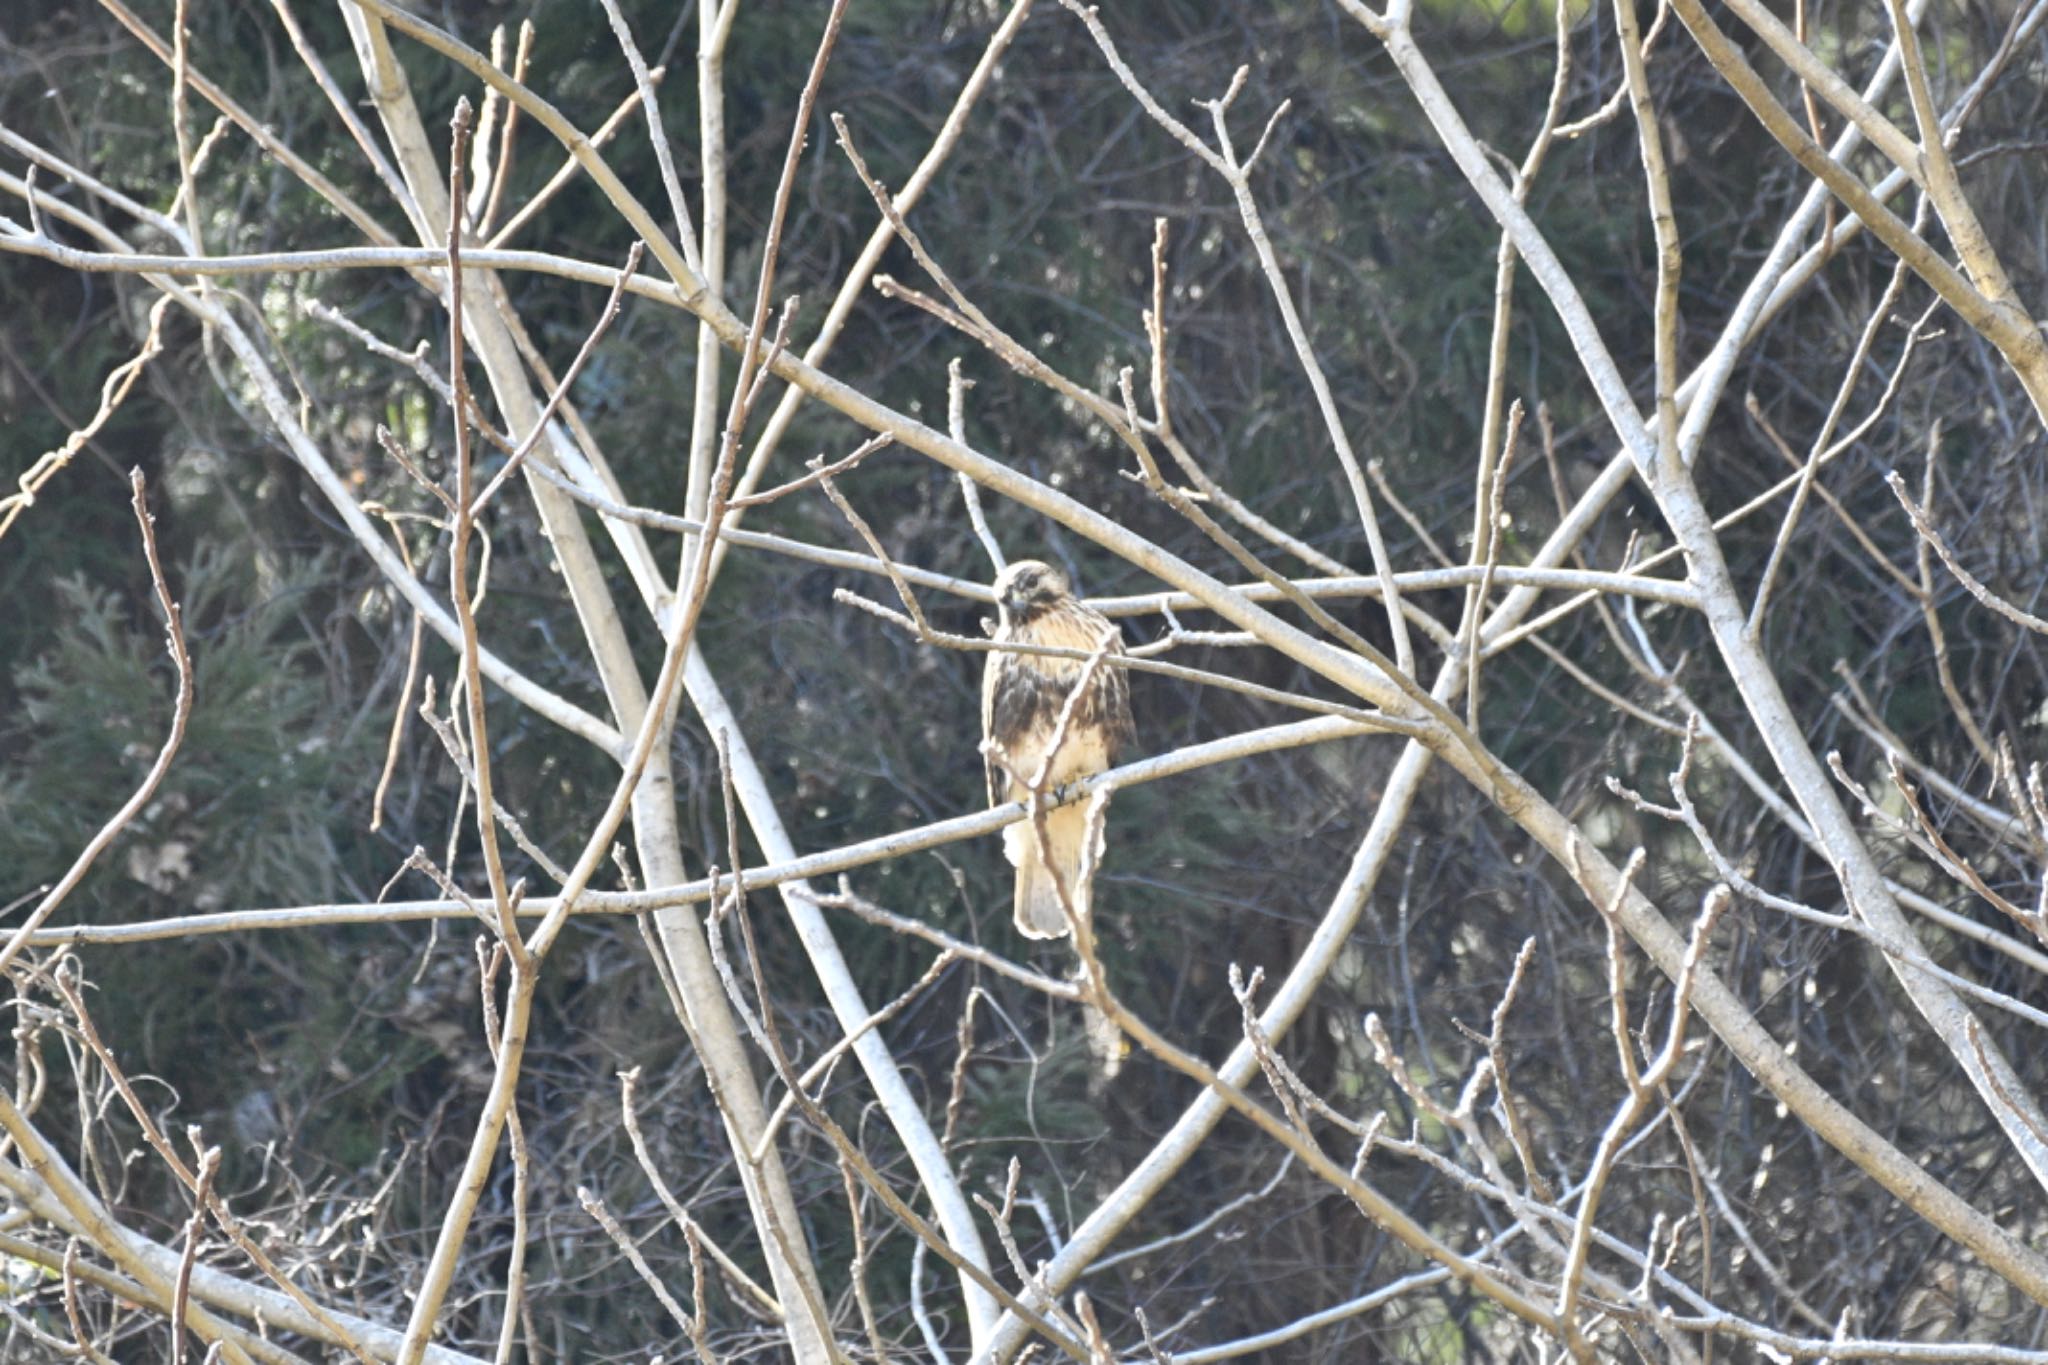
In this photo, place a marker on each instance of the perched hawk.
(1022, 696)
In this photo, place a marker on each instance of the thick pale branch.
(647, 717)
(1998, 318)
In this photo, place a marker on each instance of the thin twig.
(181, 714)
(957, 385)
(1924, 524)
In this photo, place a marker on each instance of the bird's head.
(1028, 587)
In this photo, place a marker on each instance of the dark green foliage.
(242, 817)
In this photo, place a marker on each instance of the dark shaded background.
(346, 1065)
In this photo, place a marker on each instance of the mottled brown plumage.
(1022, 696)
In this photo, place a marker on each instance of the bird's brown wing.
(1105, 705)
(1015, 697)
(1110, 706)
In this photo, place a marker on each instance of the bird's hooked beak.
(1016, 589)
(1028, 587)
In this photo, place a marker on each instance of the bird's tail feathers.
(1038, 910)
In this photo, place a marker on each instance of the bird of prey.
(1022, 697)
